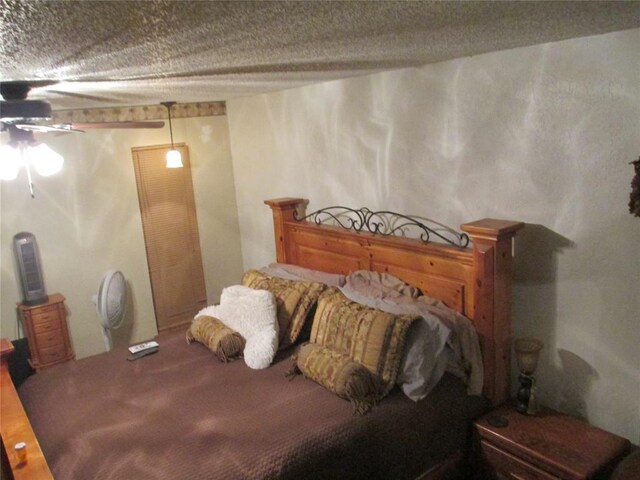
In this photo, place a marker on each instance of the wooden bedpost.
(283, 211)
(493, 272)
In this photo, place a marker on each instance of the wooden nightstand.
(47, 333)
(549, 445)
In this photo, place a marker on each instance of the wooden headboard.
(475, 281)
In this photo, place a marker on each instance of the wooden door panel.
(171, 236)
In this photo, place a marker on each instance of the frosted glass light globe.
(45, 161)
(9, 162)
(174, 159)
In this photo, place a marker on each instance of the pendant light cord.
(169, 105)
(174, 159)
(170, 126)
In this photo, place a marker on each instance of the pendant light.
(174, 159)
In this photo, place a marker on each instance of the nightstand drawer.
(40, 317)
(44, 309)
(52, 354)
(50, 338)
(46, 326)
(507, 466)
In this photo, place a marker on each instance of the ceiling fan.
(21, 118)
(18, 113)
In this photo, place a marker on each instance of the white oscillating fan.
(111, 302)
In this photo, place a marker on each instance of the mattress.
(182, 414)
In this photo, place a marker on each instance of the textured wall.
(541, 134)
(87, 220)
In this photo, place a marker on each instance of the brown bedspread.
(182, 414)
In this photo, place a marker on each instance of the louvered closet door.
(171, 236)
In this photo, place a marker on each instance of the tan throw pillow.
(226, 343)
(340, 375)
(294, 299)
(370, 337)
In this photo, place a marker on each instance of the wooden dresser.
(546, 446)
(47, 332)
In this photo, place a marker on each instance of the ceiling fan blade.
(83, 126)
(63, 128)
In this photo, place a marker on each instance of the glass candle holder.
(527, 353)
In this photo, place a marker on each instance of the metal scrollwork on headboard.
(385, 223)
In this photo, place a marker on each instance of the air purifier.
(29, 267)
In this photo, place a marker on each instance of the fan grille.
(112, 297)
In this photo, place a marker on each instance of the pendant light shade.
(174, 159)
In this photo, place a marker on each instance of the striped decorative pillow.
(369, 337)
(340, 375)
(226, 343)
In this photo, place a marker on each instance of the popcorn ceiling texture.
(113, 53)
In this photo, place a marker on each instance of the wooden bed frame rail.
(475, 281)
(15, 427)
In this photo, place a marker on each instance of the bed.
(182, 414)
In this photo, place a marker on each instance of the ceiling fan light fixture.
(45, 160)
(174, 159)
(10, 162)
(23, 150)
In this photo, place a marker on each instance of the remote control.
(143, 346)
(143, 353)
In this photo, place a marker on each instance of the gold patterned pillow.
(370, 337)
(226, 343)
(340, 375)
(294, 300)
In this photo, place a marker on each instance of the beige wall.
(541, 134)
(86, 220)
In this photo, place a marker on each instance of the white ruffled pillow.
(253, 314)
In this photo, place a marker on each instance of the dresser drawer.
(44, 317)
(507, 466)
(43, 309)
(50, 338)
(52, 354)
(43, 327)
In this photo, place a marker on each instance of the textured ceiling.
(113, 53)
